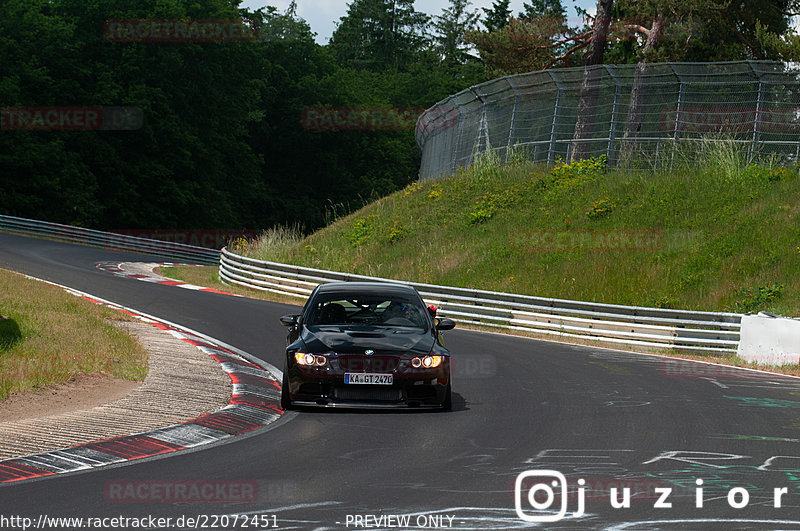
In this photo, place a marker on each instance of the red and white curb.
(144, 272)
(255, 403)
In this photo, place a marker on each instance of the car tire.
(286, 402)
(447, 404)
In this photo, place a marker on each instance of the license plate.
(368, 378)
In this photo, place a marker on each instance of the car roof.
(377, 288)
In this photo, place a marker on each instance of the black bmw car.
(366, 345)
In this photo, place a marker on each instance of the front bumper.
(424, 388)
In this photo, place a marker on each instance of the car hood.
(344, 339)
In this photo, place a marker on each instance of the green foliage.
(488, 205)
(361, 230)
(543, 8)
(451, 27)
(759, 173)
(663, 302)
(496, 17)
(693, 31)
(379, 35)
(753, 300)
(222, 132)
(397, 230)
(570, 175)
(522, 45)
(481, 214)
(704, 30)
(486, 165)
(783, 46)
(586, 168)
(600, 208)
(239, 245)
(516, 155)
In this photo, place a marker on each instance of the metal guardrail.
(171, 250)
(653, 329)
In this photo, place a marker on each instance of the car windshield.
(393, 310)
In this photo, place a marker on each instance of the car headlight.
(303, 358)
(429, 362)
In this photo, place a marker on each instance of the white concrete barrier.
(770, 339)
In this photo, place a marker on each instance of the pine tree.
(451, 27)
(379, 34)
(544, 8)
(497, 17)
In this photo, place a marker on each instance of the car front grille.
(367, 394)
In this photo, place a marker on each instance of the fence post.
(611, 152)
(459, 136)
(483, 128)
(759, 110)
(554, 127)
(512, 130)
(676, 128)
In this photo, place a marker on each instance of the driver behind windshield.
(403, 314)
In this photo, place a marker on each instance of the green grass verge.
(48, 336)
(716, 235)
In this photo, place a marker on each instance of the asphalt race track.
(614, 419)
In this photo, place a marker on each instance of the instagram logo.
(540, 490)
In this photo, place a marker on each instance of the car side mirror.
(289, 320)
(443, 323)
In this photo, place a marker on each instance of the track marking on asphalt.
(145, 274)
(713, 381)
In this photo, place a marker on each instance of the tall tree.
(450, 37)
(635, 118)
(584, 126)
(497, 16)
(379, 34)
(543, 8)
(525, 45)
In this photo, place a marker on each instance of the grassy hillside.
(714, 235)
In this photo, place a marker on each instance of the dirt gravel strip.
(254, 403)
